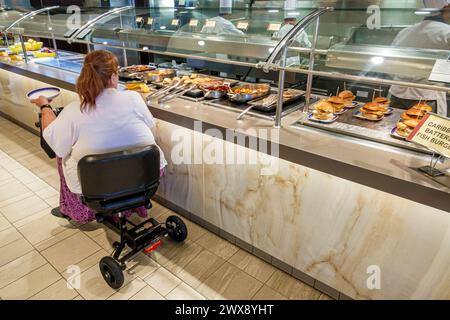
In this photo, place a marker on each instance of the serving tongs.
(164, 90)
(242, 114)
(177, 93)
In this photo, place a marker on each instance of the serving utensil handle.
(239, 117)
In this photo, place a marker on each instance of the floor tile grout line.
(48, 262)
(6, 244)
(187, 284)
(167, 210)
(62, 278)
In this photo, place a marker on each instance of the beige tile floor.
(36, 248)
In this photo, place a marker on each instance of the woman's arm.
(48, 116)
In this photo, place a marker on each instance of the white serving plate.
(389, 111)
(339, 113)
(394, 134)
(50, 93)
(359, 115)
(311, 118)
(353, 105)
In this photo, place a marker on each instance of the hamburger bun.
(422, 107)
(381, 100)
(372, 110)
(322, 115)
(411, 123)
(346, 95)
(404, 128)
(372, 116)
(372, 106)
(336, 100)
(337, 103)
(413, 114)
(401, 126)
(324, 106)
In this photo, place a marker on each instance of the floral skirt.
(71, 206)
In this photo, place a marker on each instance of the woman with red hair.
(103, 120)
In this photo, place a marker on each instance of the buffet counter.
(324, 207)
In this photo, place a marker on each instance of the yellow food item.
(3, 54)
(144, 88)
(15, 57)
(44, 54)
(138, 87)
(29, 46)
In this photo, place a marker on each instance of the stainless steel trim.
(280, 101)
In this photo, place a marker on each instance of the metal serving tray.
(257, 105)
(378, 131)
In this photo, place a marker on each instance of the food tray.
(394, 134)
(286, 101)
(260, 90)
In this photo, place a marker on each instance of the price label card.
(193, 23)
(175, 22)
(210, 23)
(150, 21)
(139, 19)
(181, 2)
(433, 132)
(243, 25)
(274, 27)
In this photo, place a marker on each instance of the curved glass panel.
(238, 33)
(366, 49)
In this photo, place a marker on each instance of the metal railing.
(23, 18)
(281, 65)
(97, 19)
(29, 15)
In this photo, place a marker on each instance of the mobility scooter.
(113, 183)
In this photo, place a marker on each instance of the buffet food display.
(375, 119)
(30, 45)
(410, 119)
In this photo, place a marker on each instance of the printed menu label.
(210, 23)
(433, 132)
(242, 25)
(441, 71)
(193, 23)
(175, 22)
(274, 27)
(150, 21)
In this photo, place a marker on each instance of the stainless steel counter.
(383, 167)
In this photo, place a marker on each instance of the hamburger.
(323, 110)
(337, 103)
(423, 107)
(404, 128)
(347, 95)
(382, 101)
(413, 114)
(372, 110)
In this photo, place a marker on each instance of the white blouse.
(120, 120)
